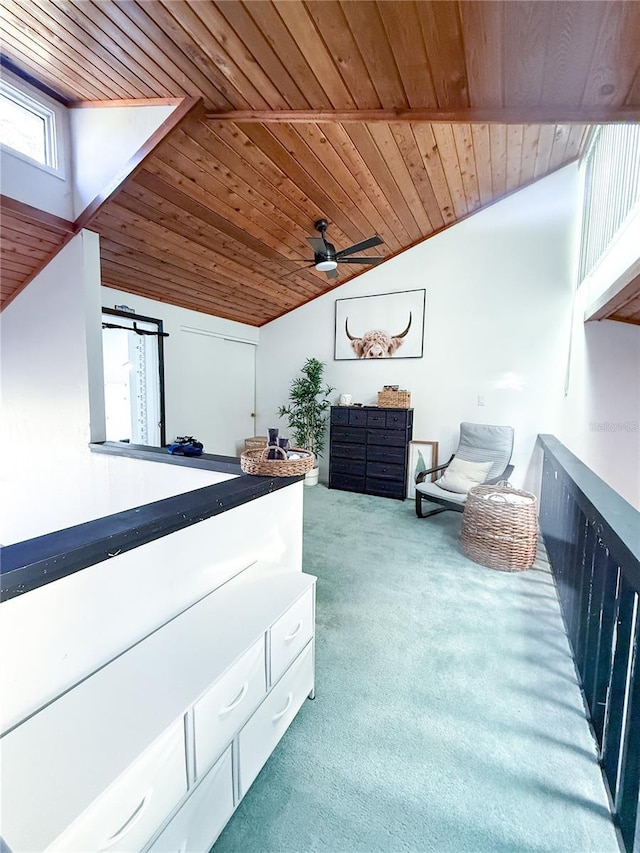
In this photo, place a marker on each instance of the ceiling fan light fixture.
(325, 266)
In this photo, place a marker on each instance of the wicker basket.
(500, 527)
(394, 399)
(256, 442)
(256, 462)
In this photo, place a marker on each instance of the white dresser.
(155, 750)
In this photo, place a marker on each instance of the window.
(27, 126)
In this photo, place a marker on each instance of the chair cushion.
(433, 492)
(484, 442)
(461, 475)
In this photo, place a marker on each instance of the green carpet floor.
(448, 716)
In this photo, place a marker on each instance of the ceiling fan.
(325, 257)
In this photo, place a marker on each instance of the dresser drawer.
(347, 482)
(231, 700)
(339, 416)
(290, 634)
(396, 419)
(377, 418)
(128, 813)
(386, 453)
(387, 437)
(347, 451)
(261, 734)
(385, 471)
(357, 417)
(348, 466)
(385, 488)
(202, 818)
(352, 435)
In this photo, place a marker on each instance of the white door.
(217, 391)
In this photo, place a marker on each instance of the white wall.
(195, 385)
(104, 140)
(601, 412)
(31, 183)
(499, 291)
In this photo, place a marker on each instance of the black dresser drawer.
(385, 488)
(353, 435)
(339, 415)
(385, 471)
(346, 481)
(387, 437)
(396, 419)
(357, 417)
(377, 418)
(387, 453)
(348, 466)
(348, 451)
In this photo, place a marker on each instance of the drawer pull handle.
(294, 633)
(277, 716)
(235, 702)
(129, 823)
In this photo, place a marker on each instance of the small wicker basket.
(388, 399)
(257, 462)
(500, 527)
(256, 442)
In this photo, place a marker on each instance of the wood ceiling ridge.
(530, 114)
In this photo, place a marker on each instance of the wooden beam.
(186, 106)
(127, 102)
(625, 288)
(485, 115)
(33, 214)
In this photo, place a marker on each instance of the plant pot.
(311, 477)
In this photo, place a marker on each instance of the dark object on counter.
(186, 445)
(273, 442)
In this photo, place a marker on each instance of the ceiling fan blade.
(359, 260)
(360, 247)
(300, 269)
(332, 273)
(318, 245)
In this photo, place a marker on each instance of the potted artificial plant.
(308, 404)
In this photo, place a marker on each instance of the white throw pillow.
(461, 475)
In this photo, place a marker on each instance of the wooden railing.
(592, 537)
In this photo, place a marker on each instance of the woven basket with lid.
(500, 527)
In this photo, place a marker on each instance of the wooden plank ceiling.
(394, 117)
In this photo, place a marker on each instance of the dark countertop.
(27, 565)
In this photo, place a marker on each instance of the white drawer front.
(290, 634)
(261, 734)
(202, 818)
(128, 813)
(227, 704)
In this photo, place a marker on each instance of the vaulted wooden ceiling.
(392, 117)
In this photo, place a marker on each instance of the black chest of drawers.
(368, 450)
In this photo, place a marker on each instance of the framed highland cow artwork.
(389, 325)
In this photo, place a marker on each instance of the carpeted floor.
(448, 716)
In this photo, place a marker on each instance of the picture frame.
(386, 325)
(422, 456)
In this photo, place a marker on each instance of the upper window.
(27, 126)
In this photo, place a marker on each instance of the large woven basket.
(257, 462)
(500, 527)
(394, 399)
